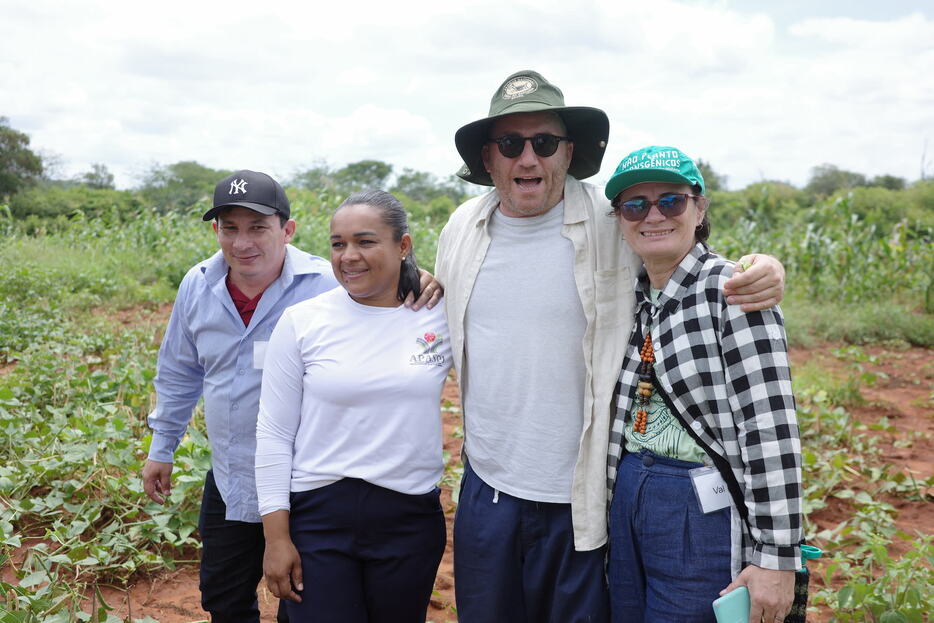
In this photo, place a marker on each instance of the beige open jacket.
(604, 271)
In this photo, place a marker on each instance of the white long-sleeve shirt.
(351, 391)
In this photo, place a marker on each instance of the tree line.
(29, 186)
(30, 189)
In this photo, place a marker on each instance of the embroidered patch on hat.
(518, 87)
(237, 187)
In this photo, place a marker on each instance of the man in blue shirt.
(224, 313)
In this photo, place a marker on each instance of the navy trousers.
(668, 560)
(369, 554)
(231, 561)
(514, 561)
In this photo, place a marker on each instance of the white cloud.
(785, 112)
(281, 86)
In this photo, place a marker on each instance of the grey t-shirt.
(525, 374)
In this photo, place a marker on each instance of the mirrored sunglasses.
(637, 208)
(543, 145)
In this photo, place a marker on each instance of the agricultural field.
(83, 302)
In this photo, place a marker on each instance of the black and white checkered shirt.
(725, 375)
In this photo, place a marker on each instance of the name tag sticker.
(259, 354)
(712, 494)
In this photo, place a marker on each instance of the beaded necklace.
(646, 388)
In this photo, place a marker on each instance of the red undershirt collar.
(245, 305)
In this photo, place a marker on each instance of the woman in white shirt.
(349, 433)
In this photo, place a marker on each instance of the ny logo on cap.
(237, 187)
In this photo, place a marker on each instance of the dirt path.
(903, 391)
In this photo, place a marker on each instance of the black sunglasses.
(637, 208)
(543, 145)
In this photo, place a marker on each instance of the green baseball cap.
(527, 91)
(654, 164)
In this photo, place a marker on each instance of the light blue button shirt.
(207, 351)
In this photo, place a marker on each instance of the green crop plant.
(879, 587)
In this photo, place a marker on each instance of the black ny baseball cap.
(252, 190)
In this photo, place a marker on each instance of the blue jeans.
(369, 554)
(514, 561)
(668, 560)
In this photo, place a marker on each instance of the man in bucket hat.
(224, 314)
(539, 296)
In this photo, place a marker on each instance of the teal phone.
(733, 607)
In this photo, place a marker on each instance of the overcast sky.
(761, 89)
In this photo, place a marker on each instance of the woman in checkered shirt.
(705, 459)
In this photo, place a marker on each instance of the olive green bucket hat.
(527, 91)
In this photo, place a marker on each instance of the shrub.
(49, 201)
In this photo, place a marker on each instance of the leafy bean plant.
(72, 423)
(882, 587)
(839, 458)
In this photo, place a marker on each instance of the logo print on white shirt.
(237, 187)
(428, 357)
